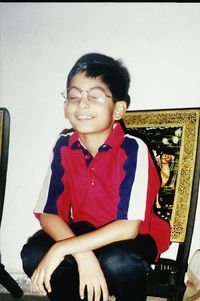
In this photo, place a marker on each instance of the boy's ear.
(65, 109)
(120, 110)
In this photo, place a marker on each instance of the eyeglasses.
(95, 95)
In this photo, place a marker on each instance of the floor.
(25, 285)
(8, 297)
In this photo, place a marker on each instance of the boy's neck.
(92, 141)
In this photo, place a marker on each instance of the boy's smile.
(84, 117)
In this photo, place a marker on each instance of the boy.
(96, 207)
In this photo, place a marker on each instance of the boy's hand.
(91, 277)
(90, 274)
(42, 275)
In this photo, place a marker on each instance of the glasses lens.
(73, 94)
(96, 95)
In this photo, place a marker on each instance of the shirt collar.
(114, 140)
(116, 137)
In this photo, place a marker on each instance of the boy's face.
(90, 115)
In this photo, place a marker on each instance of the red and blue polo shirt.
(120, 182)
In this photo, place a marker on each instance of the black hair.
(112, 72)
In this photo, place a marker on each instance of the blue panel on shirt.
(56, 186)
(130, 146)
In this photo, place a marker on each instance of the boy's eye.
(96, 94)
(73, 94)
(93, 96)
(73, 97)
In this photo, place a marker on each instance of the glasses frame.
(64, 94)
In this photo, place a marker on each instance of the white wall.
(39, 43)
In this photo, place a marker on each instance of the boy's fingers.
(105, 292)
(97, 293)
(34, 282)
(81, 290)
(90, 292)
(40, 286)
(47, 283)
(37, 282)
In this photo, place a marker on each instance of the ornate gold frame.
(188, 121)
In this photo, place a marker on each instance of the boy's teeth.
(84, 117)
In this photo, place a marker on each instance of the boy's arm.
(55, 227)
(113, 232)
(68, 243)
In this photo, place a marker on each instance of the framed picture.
(172, 138)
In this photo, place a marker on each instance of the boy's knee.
(27, 260)
(117, 261)
(82, 227)
(33, 251)
(124, 271)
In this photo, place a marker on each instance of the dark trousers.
(124, 264)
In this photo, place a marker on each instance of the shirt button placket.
(92, 181)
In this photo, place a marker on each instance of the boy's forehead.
(81, 79)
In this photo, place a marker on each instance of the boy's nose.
(83, 103)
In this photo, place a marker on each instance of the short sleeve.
(53, 187)
(137, 190)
